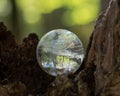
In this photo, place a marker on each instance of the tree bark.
(99, 74)
(104, 4)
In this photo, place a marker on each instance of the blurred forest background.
(41, 16)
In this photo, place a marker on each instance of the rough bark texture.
(99, 75)
(19, 71)
(106, 43)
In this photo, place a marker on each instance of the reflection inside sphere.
(60, 52)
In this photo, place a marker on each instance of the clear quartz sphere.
(60, 52)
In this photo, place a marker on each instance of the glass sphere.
(60, 52)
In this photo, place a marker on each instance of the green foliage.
(5, 8)
(78, 11)
(41, 16)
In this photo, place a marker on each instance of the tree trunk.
(14, 19)
(104, 4)
(99, 74)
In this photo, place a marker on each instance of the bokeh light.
(80, 11)
(40, 16)
(5, 8)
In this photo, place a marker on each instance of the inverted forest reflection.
(30, 16)
(60, 52)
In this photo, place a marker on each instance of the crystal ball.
(60, 52)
